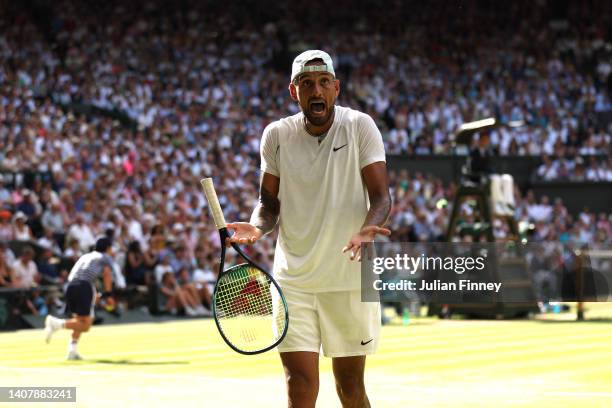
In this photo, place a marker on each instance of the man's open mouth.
(317, 107)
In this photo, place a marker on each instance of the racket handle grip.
(213, 202)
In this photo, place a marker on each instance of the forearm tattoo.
(378, 214)
(265, 215)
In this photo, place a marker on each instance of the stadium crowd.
(181, 92)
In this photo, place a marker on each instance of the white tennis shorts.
(339, 321)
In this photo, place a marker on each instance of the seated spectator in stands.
(73, 249)
(133, 225)
(21, 230)
(162, 267)
(39, 304)
(29, 204)
(541, 211)
(25, 276)
(48, 266)
(6, 229)
(205, 275)
(55, 219)
(83, 233)
(608, 176)
(138, 265)
(175, 298)
(181, 259)
(10, 255)
(579, 173)
(604, 224)
(7, 277)
(48, 240)
(547, 170)
(185, 281)
(157, 241)
(5, 193)
(25, 270)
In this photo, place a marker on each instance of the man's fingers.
(350, 246)
(242, 240)
(356, 253)
(383, 231)
(377, 230)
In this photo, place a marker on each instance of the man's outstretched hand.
(366, 234)
(244, 233)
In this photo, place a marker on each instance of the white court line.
(580, 393)
(173, 376)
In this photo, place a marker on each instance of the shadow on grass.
(136, 363)
(586, 320)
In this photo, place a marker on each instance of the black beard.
(319, 120)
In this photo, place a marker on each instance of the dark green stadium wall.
(576, 195)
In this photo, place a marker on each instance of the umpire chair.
(513, 273)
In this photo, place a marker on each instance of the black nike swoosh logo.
(338, 148)
(364, 343)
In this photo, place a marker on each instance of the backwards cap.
(299, 63)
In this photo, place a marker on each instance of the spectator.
(181, 259)
(185, 281)
(162, 267)
(7, 278)
(82, 233)
(175, 298)
(55, 220)
(21, 230)
(205, 275)
(48, 267)
(29, 205)
(157, 241)
(25, 270)
(6, 229)
(547, 170)
(5, 192)
(73, 250)
(48, 241)
(138, 265)
(542, 211)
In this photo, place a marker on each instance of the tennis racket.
(248, 305)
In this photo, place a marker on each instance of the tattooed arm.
(264, 217)
(375, 178)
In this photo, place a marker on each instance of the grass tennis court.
(550, 363)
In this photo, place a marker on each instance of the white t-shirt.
(160, 270)
(323, 198)
(83, 234)
(25, 273)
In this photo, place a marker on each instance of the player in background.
(81, 294)
(324, 181)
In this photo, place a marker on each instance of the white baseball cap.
(299, 63)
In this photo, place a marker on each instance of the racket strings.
(245, 308)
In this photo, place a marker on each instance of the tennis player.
(324, 181)
(81, 294)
